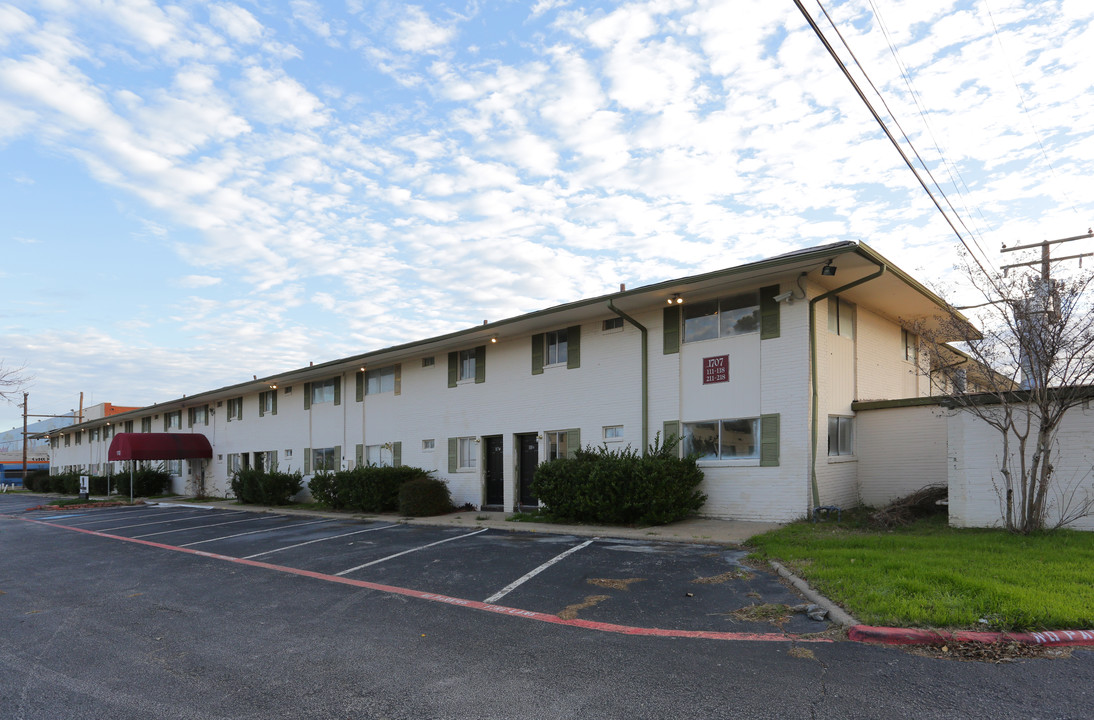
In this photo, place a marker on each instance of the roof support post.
(645, 374)
(813, 370)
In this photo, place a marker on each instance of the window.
(322, 391)
(172, 420)
(68, 439)
(910, 341)
(266, 460)
(723, 439)
(555, 350)
(288, 389)
(733, 315)
(288, 453)
(199, 415)
(234, 464)
(467, 365)
(841, 317)
(556, 445)
(325, 459)
(613, 433)
(378, 455)
(146, 425)
(267, 403)
(54, 441)
(79, 437)
(106, 433)
(129, 426)
(173, 467)
(840, 435)
(93, 435)
(468, 457)
(613, 324)
(235, 409)
(428, 361)
(380, 381)
(428, 445)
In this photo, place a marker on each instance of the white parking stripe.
(520, 581)
(404, 552)
(156, 522)
(254, 532)
(309, 542)
(198, 527)
(136, 515)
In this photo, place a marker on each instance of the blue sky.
(196, 192)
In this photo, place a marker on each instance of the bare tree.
(12, 382)
(1030, 363)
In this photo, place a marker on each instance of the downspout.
(645, 374)
(813, 367)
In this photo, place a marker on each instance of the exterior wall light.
(829, 269)
(675, 299)
(494, 339)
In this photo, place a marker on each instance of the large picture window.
(723, 439)
(325, 459)
(733, 315)
(380, 381)
(322, 391)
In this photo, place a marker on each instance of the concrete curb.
(914, 636)
(835, 612)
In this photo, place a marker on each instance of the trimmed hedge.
(424, 496)
(621, 487)
(367, 488)
(147, 481)
(261, 487)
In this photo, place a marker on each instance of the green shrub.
(621, 487)
(366, 488)
(424, 496)
(147, 481)
(34, 477)
(261, 487)
(58, 483)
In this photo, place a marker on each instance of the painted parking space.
(591, 582)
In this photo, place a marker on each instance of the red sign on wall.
(716, 369)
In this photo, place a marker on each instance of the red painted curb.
(913, 636)
(460, 602)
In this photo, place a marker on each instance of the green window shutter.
(573, 347)
(129, 425)
(769, 312)
(480, 364)
(453, 368)
(537, 354)
(769, 440)
(669, 429)
(338, 390)
(573, 442)
(307, 396)
(190, 417)
(452, 458)
(239, 408)
(307, 461)
(338, 457)
(165, 422)
(262, 404)
(397, 453)
(273, 405)
(360, 385)
(359, 456)
(671, 320)
(398, 378)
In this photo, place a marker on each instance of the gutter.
(645, 373)
(813, 366)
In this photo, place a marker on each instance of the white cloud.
(416, 32)
(237, 22)
(199, 281)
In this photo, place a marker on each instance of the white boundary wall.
(900, 450)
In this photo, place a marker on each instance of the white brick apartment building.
(730, 360)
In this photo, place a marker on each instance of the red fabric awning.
(159, 446)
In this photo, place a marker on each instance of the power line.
(888, 134)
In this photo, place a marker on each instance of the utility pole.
(27, 434)
(1034, 311)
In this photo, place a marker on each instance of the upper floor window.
(322, 391)
(146, 425)
(267, 403)
(68, 439)
(612, 324)
(129, 426)
(467, 365)
(841, 317)
(235, 409)
(199, 416)
(556, 347)
(733, 315)
(380, 381)
(79, 437)
(910, 341)
(93, 434)
(172, 420)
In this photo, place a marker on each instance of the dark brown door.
(495, 471)
(528, 446)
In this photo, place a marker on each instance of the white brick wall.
(899, 450)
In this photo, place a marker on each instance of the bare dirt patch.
(996, 653)
(615, 584)
(570, 611)
(724, 577)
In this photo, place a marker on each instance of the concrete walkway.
(692, 530)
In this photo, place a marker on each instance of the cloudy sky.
(195, 192)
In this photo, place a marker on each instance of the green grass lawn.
(931, 575)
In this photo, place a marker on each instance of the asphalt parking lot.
(631, 583)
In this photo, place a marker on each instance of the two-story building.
(756, 367)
